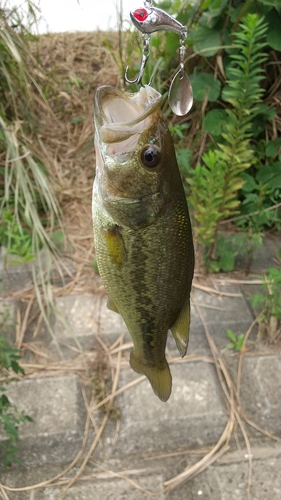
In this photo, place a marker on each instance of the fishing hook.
(145, 56)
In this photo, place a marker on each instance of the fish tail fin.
(159, 376)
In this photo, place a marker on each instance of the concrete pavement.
(145, 442)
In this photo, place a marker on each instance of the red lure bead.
(140, 14)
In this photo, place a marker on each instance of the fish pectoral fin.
(115, 245)
(180, 328)
(159, 376)
(111, 305)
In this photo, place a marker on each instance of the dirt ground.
(75, 64)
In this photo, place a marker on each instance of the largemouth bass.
(142, 231)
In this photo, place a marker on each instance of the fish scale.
(142, 231)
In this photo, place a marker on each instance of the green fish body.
(142, 230)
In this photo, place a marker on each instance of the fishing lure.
(147, 20)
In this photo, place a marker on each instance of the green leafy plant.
(216, 182)
(236, 340)
(228, 246)
(212, 21)
(17, 240)
(270, 317)
(261, 193)
(214, 57)
(10, 416)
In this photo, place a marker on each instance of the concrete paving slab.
(224, 312)
(194, 415)
(229, 481)
(81, 313)
(224, 307)
(197, 488)
(80, 319)
(225, 480)
(16, 275)
(261, 391)
(17, 477)
(109, 489)
(56, 406)
(13, 280)
(8, 319)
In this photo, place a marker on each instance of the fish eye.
(150, 156)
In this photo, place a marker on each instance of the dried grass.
(75, 65)
(70, 66)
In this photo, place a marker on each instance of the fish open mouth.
(119, 115)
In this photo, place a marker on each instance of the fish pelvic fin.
(111, 305)
(159, 376)
(180, 328)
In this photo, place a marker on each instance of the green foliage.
(224, 255)
(229, 56)
(15, 238)
(207, 183)
(213, 22)
(10, 416)
(261, 192)
(216, 182)
(95, 266)
(236, 341)
(228, 246)
(270, 301)
(205, 86)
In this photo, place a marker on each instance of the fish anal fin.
(180, 328)
(159, 376)
(111, 305)
(115, 245)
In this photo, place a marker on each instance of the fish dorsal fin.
(180, 328)
(159, 376)
(111, 305)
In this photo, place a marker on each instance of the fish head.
(132, 145)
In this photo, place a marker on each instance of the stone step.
(58, 412)
(57, 408)
(82, 317)
(194, 416)
(226, 479)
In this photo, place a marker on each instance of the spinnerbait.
(147, 20)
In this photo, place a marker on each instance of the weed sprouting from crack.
(101, 384)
